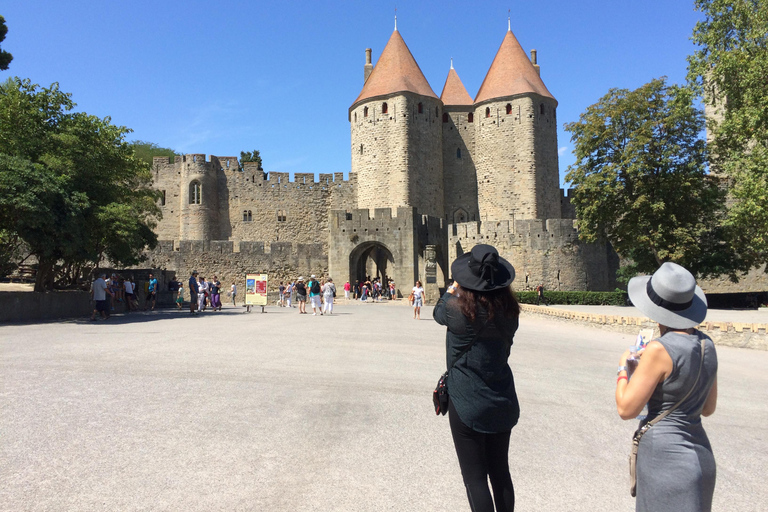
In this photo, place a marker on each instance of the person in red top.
(347, 287)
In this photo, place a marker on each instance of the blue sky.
(223, 77)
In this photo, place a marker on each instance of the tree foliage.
(146, 151)
(731, 70)
(70, 186)
(5, 57)
(251, 156)
(640, 180)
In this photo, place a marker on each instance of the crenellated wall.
(230, 262)
(240, 204)
(544, 252)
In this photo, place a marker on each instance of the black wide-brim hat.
(482, 269)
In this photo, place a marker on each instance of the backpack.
(315, 287)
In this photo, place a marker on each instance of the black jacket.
(480, 384)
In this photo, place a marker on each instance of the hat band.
(672, 306)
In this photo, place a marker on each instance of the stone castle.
(431, 177)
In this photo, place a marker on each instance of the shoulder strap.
(466, 349)
(668, 411)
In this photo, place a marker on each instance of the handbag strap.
(466, 349)
(663, 415)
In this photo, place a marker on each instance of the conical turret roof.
(395, 71)
(454, 92)
(511, 73)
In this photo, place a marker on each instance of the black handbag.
(440, 394)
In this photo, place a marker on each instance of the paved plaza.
(286, 412)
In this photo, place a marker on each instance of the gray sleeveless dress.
(675, 464)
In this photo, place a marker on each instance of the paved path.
(288, 412)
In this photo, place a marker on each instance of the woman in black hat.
(675, 464)
(481, 315)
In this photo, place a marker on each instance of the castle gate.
(371, 260)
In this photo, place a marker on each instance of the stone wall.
(37, 307)
(754, 281)
(239, 204)
(542, 252)
(732, 334)
(283, 261)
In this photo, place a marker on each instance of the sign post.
(255, 291)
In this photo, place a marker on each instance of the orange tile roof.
(511, 73)
(454, 92)
(395, 71)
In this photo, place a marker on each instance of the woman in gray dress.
(675, 463)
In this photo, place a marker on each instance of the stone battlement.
(530, 232)
(164, 164)
(227, 247)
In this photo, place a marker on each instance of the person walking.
(392, 292)
(281, 292)
(233, 293)
(193, 291)
(346, 290)
(329, 292)
(315, 292)
(151, 293)
(301, 296)
(418, 300)
(481, 314)
(540, 295)
(677, 378)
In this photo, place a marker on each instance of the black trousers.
(483, 457)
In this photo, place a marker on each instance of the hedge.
(582, 298)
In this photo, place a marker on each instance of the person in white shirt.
(128, 285)
(329, 290)
(202, 291)
(99, 293)
(418, 300)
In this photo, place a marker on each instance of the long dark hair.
(500, 302)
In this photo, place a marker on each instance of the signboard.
(256, 289)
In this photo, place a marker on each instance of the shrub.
(617, 298)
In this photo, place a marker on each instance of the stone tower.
(198, 199)
(516, 140)
(397, 135)
(458, 151)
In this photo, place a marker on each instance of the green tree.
(70, 186)
(251, 156)
(730, 69)
(5, 57)
(640, 180)
(146, 151)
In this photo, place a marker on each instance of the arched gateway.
(370, 260)
(376, 243)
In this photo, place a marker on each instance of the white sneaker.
(314, 314)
